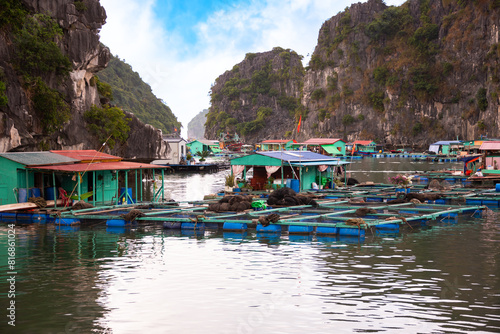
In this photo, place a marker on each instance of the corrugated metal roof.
(490, 146)
(318, 163)
(38, 158)
(277, 141)
(446, 142)
(299, 156)
(295, 158)
(116, 165)
(321, 141)
(332, 149)
(86, 155)
(364, 142)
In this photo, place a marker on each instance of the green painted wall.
(366, 148)
(308, 177)
(9, 178)
(256, 160)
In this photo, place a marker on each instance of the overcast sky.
(180, 47)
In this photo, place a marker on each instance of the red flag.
(298, 126)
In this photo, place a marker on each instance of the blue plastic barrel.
(300, 229)
(351, 231)
(497, 187)
(122, 194)
(272, 228)
(9, 217)
(326, 230)
(24, 218)
(51, 193)
(234, 226)
(295, 185)
(23, 192)
(117, 222)
(35, 192)
(67, 221)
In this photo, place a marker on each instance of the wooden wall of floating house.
(9, 178)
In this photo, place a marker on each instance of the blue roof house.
(296, 169)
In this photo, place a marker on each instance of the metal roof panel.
(297, 156)
(321, 141)
(490, 146)
(447, 142)
(86, 155)
(38, 158)
(88, 167)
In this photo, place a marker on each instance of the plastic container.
(122, 195)
(192, 226)
(235, 227)
(295, 185)
(271, 228)
(326, 230)
(497, 187)
(35, 192)
(300, 229)
(51, 193)
(22, 195)
(351, 231)
(117, 222)
(9, 217)
(67, 221)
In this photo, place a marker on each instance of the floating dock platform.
(340, 217)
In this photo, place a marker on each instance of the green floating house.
(201, 145)
(364, 147)
(326, 146)
(295, 169)
(89, 175)
(447, 147)
(277, 145)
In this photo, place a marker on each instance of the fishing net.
(132, 215)
(82, 205)
(39, 201)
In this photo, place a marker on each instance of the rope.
(356, 222)
(399, 218)
(132, 215)
(39, 201)
(81, 205)
(266, 220)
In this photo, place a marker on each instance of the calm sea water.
(439, 279)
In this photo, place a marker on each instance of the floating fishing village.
(250, 166)
(292, 189)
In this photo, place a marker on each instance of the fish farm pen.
(349, 211)
(354, 211)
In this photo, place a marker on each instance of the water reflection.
(149, 279)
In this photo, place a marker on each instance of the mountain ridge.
(407, 75)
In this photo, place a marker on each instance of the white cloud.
(182, 74)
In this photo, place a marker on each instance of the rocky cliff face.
(409, 75)
(258, 97)
(196, 127)
(20, 125)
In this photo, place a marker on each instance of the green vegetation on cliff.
(245, 98)
(108, 124)
(132, 94)
(37, 50)
(37, 58)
